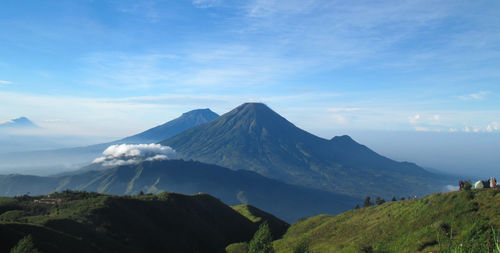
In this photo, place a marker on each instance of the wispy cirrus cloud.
(3, 82)
(205, 3)
(475, 96)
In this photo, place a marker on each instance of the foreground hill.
(254, 137)
(452, 222)
(67, 159)
(90, 222)
(289, 202)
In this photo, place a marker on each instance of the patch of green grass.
(257, 216)
(440, 222)
(245, 211)
(240, 247)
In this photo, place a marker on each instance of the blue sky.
(113, 68)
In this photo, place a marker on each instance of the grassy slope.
(257, 216)
(405, 226)
(90, 222)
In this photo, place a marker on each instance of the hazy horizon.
(465, 154)
(93, 71)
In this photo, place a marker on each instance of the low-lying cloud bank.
(450, 188)
(125, 154)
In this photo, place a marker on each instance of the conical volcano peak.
(21, 122)
(254, 106)
(258, 115)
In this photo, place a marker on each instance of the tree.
(368, 202)
(379, 201)
(262, 241)
(402, 198)
(468, 185)
(357, 206)
(25, 245)
(394, 199)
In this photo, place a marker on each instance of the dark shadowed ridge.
(287, 201)
(91, 222)
(254, 137)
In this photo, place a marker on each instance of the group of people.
(490, 183)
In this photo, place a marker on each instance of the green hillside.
(450, 222)
(289, 202)
(257, 216)
(91, 222)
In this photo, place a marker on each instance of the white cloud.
(475, 96)
(422, 129)
(343, 109)
(205, 3)
(436, 117)
(413, 119)
(467, 129)
(4, 82)
(449, 188)
(341, 119)
(157, 157)
(6, 121)
(494, 126)
(134, 153)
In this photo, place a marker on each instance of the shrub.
(25, 245)
(367, 202)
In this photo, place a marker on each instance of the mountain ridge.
(254, 137)
(287, 201)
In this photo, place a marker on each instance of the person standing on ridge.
(493, 182)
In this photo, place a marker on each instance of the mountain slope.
(185, 121)
(452, 222)
(68, 159)
(90, 222)
(253, 137)
(289, 202)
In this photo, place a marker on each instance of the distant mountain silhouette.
(185, 121)
(288, 202)
(19, 123)
(254, 137)
(73, 158)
